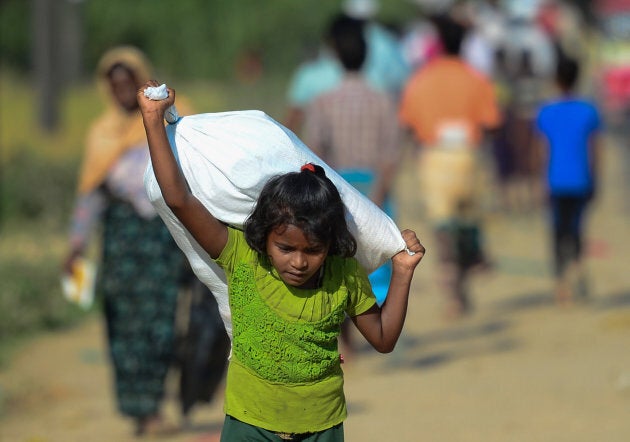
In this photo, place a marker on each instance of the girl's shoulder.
(345, 270)
(347, 263)
(236, 250)
(353, 281)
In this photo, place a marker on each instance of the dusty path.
(518, 369)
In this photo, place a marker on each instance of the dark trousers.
(235, 430)
(567, 215)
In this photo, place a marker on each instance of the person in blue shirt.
(570, 128)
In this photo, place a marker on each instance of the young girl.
(291, 280)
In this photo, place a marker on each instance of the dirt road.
(519, 368)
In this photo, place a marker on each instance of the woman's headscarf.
(116, 130)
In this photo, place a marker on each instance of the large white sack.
(227, 158)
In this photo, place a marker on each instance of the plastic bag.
(227, 158)
(78, 288)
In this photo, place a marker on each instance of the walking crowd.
(483, 96)
(463, 84)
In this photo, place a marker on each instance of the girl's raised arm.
(209, 232)
(382, 326)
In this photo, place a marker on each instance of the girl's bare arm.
(382, 326)
(209, 232)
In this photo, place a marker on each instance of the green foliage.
(30, 299)
(36, 199)
(37, 181)
(194, 39)
(23, 309)
(15, 42)
(37, 189)
(201, 39)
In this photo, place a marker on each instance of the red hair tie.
(308, 166)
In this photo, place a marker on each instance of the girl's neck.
(315, 282)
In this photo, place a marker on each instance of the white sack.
(227, 158)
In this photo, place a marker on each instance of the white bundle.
(227, 158)
(160, 93)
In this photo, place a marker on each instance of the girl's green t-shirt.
(285, 373)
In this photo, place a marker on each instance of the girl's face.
(296, 259)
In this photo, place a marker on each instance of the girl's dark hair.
(305, 199)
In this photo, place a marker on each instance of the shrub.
(31, 298)
(37, 189)
(37, 195)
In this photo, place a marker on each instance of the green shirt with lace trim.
(284, 373)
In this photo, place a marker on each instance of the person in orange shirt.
(449, 107)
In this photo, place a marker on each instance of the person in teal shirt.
(291, 279)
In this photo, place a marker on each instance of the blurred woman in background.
(140, 265)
